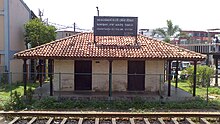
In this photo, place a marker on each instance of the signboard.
(115, 26)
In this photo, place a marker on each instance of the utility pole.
(97, 10)
(74, 27)
(40, 14)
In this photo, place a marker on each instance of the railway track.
(54, 117)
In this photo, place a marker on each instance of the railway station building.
(109, 63)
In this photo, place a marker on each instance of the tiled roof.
(82, 46)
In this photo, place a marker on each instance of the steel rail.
(109, 114)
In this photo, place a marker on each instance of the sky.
(187, 14)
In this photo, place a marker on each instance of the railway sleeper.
(32, 120)
(204, 121)
(161, 120)
(118, 120)
(174, 120)
(64, 121)
(14, 120)
(50, 120)
(190, 121)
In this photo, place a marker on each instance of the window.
(195, 34)
(202, 35)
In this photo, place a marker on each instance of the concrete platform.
(176, 94)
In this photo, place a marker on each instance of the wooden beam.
(216, 72)
(169, 77)
(176, 75)
(50, 71)
(194, 79)
(41, 72)
(25, 75)
(110, 78)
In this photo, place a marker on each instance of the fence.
(104, 85)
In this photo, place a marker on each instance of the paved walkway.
(177, 94)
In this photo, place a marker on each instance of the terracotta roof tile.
(120, 47)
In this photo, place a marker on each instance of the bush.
(15, 103)
(18, 102)
(203, 74)
(51, 103)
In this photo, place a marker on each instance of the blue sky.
(188, 14)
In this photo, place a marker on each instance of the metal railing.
(202, 48)
(64, 84)
(2, 69)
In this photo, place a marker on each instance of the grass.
(200, 91)
(7, 89)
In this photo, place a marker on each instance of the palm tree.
(168, 33)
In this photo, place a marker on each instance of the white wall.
(153, 70)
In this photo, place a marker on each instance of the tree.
(37, 33)
(171, 31)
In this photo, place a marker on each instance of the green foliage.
(183, 75)
(203, 74)
(9, 92)
(172, 31)
(214, 90)
(29, 95)
(18, 102)
(45, 103)
(117, 105)
(3, 78)
(37, 33)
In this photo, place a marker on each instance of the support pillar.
(216, 71)
(25, 75)
(41, 72)
(176, 75)
(194, 79)
(207, 59)
(110, 78)
(169, 77)
(50, 71)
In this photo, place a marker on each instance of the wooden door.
(136, 75)
(83, 75)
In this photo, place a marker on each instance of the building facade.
(196, 37)
(147, 78)
(13, 15)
